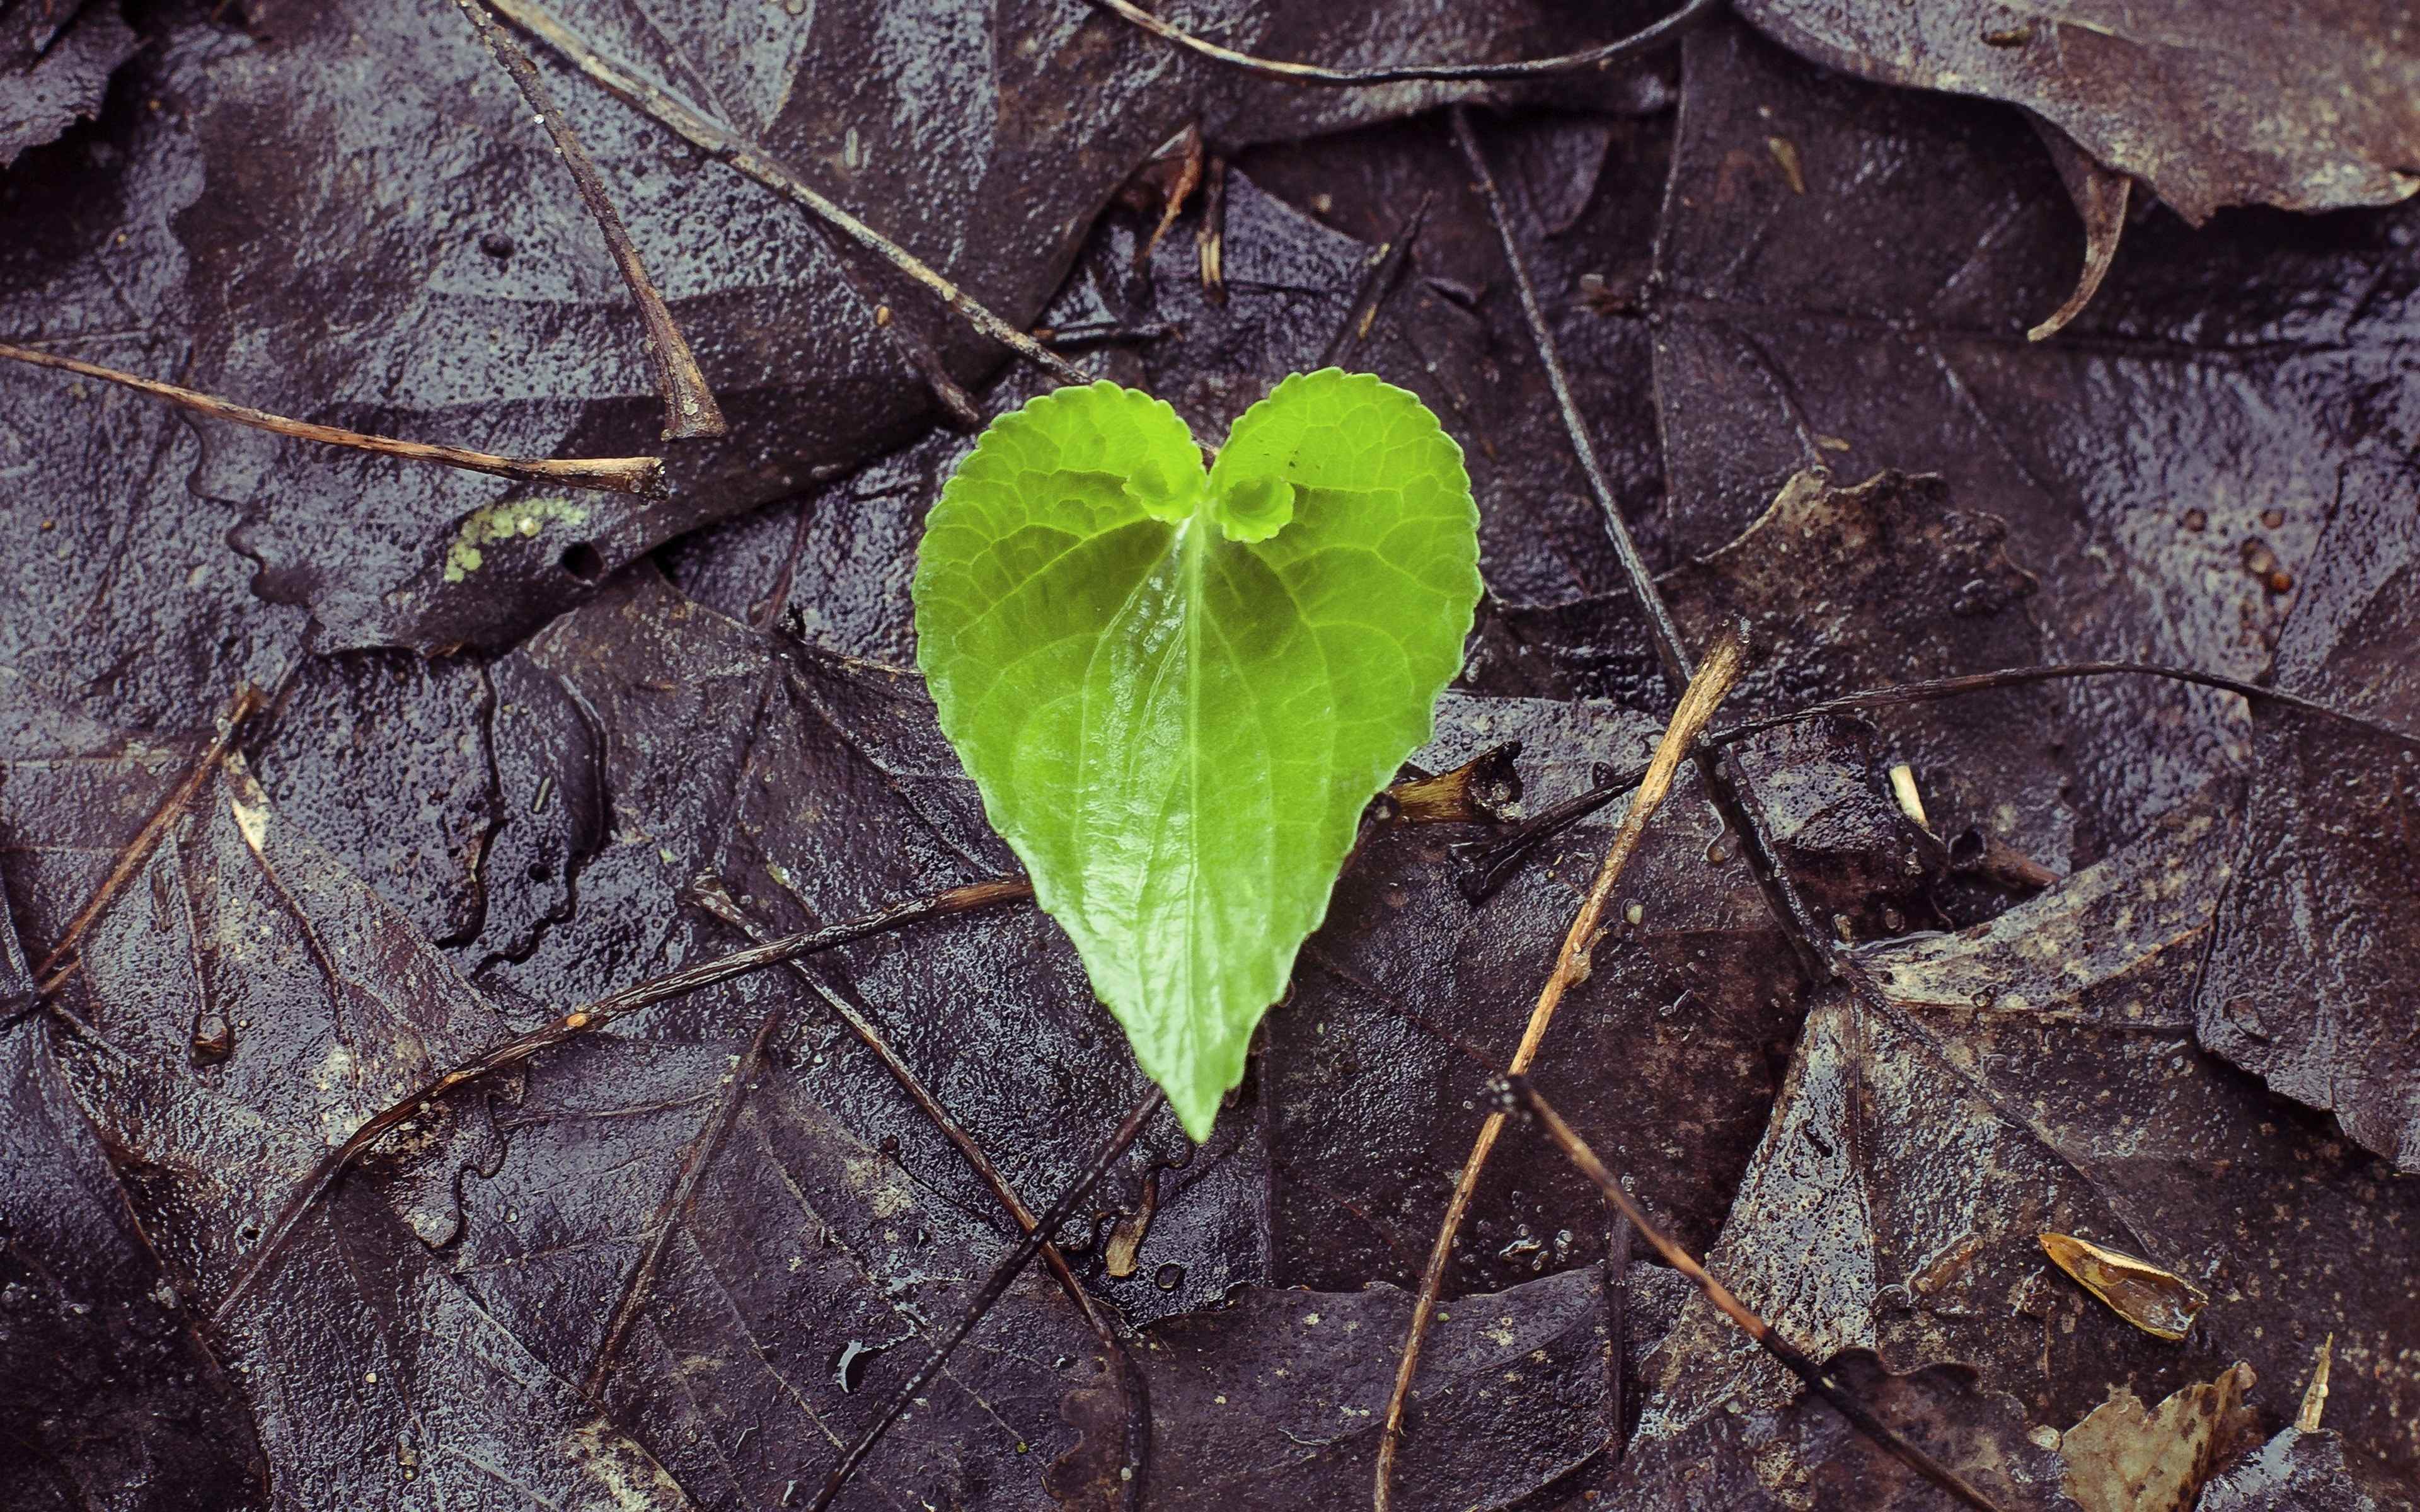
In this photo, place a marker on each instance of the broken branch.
(1704, 695)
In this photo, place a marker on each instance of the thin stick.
(1378, 285)
(1670, 649)
(54, 967)
(609, 475)
(661, 106)
(1726, 787)
(588, 1018)
(1941, 688)
(1703, 696)
(710, 893)
(1487, 864)
(675, 1206)
(996, 1286)
(689, 409)
(1638, 43)
(1518, 1092)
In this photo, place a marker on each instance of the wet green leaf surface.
(1178, 690)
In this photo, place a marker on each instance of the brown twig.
(611, 475)
(1637, 44)
(53, 967)
(588, 1018)
(1517, 1093)
(684, 120)
(710, 893)
(689, 409)
(1703, 696)
(1003, 1275)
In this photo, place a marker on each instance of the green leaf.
(1178, 691)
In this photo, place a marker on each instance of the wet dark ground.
(680, 1262)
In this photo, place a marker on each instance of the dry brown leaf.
(2121, 1458)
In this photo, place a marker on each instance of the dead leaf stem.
(1819, 1381)
(585, 1019)
(1003, 1275)
(1704, 695)
(701, 131)
(689, 409)
(609, 475)
(1637, 44)
(54, 967)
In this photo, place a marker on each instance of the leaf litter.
(580, 781)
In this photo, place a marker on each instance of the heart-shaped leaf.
(1177, 690)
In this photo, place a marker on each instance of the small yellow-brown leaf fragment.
(2158, 1302)
(1785, 154)
(2315, 1396)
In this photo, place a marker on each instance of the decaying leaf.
(56, 60)
(2190, 427)
(2306, 986)
(2158, 1302)
(2124, 1458)
(2038, 1073)
(2310, 109)
(2299, 1471)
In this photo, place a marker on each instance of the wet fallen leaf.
(2124, 1457)
(345, 211)
(2175, 433)
(2310, 112)
(2301, 990)
(2039, 1073)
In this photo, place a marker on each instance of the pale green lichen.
(513, 520)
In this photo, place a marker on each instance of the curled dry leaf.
(2101, 196)
(2122, 1459)
(2158, 1302)
(2311, 108)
